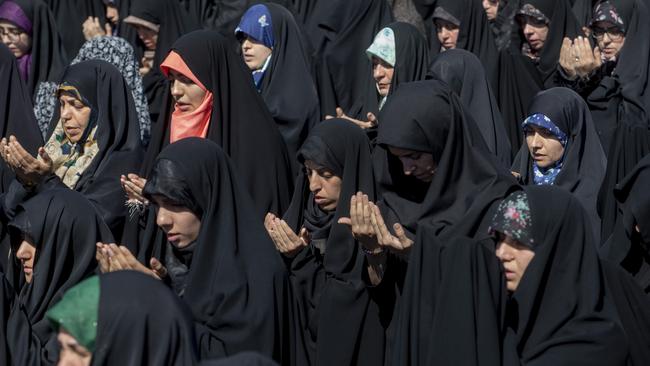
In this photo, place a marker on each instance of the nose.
(537, 140)
(176, 90)
(246, 45)
(23, 252)
(163, 219)
(65, 112)
(502, 252)
(408, 165)
(528, 30)
(314, 182)
(378, 72)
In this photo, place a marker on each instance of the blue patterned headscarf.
(546, 176)
(256, 23)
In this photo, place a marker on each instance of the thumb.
(339, 112)
(399, 231)
(371, 118)
(345, 221)
(597, 55)
(108, 29)
(158, 267)
(44, 155)
(304, 236)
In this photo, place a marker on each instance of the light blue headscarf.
(546, 176)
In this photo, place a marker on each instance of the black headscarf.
(334, 308)
(628, 247)
(47, 52)
(118, 137)
(240, 122)
(287, 85)
(346, 29)
(560, 313)
(70, 16)
(583, 161)
(64, 228)
(140, 321)
(173, 22)
(464, 74)
(624, 96)
(236, 285)
(427, 116)
(475, 34)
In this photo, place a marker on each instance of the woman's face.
(180, 224)
(535, 32)
(610, 39)
(15, 38)
(491, 8)
(515, 258)
(325, 186)
(255, 53)
(416, 163)
(544, 147)
(186, 93)
(112, 13)
(74, 116)
(72, 353)
(382, 72)
(26, 254)
(447, 33)
(148, 36)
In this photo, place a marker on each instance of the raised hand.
(586, 59)
(372, 119)
(398, 242)
(112, 257)
(568, 58)
(28, 169)
(360, 222)
(285, 239)
(91, 28)
(133, 185)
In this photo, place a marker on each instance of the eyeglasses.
(613, 33)
(11, 33)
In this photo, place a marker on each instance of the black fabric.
(287, 86)
(426, 116)
(628, 247)
(583, 162)
(475, 34)
(118, 137)
(345, 30)
(70, 16)
(449, 313)
(241, 359)
(237, 286)
(64, 227)
(629, 145)
(141, 322)
(340, 320)
(560, 313)
(464, 74)
(623, 96)
(7, 296)
(48, 53)
(17, 119)
(173, 22)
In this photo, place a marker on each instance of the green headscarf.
(77, 312)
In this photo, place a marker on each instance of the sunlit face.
(382, 72)
(610, 39)
(255, 53)
(447, 33)
(187, 95)
(491, 8)
(416, 163)
(543, 146)
(15, 38)
(26, 254)
(74, 116)
(148, 36)
(535, 32)
(180, 224)
(325, 186)
(112, 13)
(72, 353)
(515, 258)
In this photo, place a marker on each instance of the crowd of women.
(325, 182)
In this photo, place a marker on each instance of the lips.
(183, 107)
(173, 237)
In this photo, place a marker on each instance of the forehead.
(443, 23)
(5, 24)
(604, 24)
(401, 152)
(68, 97)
